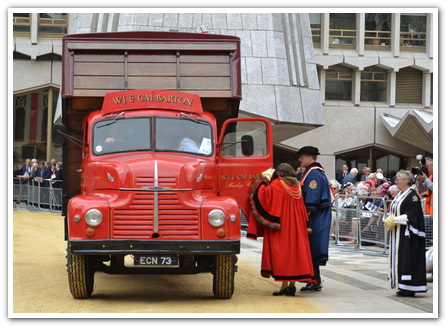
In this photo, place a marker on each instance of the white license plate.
(156, 260)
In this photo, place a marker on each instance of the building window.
(52, 25)
(342, 30)
(373, 84)
(30, 124)
(377, 30)
(21, 25)
(431, 89)
(409, 86)
(390, 164)
(20, 118)
(315, 27)
(338, 83)
(413, 28)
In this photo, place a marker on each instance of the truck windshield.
(187, 135)
(122, 135)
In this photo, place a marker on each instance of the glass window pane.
(342, 30)
(413, 28)
(53, 23)
(338, 90)
(21, 23)
(183, 135)
(377, 29)
(245, 139)
(315, 26)
(343, 75)
(121, 135)
(338, 83)
(373, 84)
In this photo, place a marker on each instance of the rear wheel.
(223, 281)
(80, 275)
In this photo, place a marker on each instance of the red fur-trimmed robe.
(279, 215)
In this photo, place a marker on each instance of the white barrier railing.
(35, 195)
(356, 220)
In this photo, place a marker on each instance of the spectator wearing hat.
(317, 199)
(370, 183)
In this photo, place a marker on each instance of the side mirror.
(247, 145)
(58, 134)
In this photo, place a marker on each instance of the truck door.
(246, 150)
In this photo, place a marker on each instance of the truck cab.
(157, 164)
(160, 191)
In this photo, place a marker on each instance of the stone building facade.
(283, 78)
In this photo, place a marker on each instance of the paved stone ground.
(355, 283)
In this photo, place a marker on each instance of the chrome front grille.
(137, 220)
(141, 181)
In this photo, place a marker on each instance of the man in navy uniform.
(317, 199)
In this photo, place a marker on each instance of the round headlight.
(93, 217)
(216, 218)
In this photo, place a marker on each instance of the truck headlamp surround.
(93, 217)
(216, 218)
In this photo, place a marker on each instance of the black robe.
(407, 244)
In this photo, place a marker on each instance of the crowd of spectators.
(39, 178)
(375, 191)
(40, 173)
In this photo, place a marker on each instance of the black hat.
(308, 150)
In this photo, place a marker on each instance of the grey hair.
(406, 176)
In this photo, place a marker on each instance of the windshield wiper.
(193, 119)
(113, 121)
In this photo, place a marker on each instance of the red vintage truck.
(157, 165)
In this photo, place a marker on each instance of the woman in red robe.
(279, 207)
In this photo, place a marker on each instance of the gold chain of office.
(294, 194)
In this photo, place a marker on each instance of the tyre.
(80, 275)
(223, 281)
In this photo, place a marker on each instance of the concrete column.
(426, 86)
(360, 37)
(356, 78)
(34, 27)
(322, 73)
(395, 34)
(325, 33)
(429, 29)
(391, 88)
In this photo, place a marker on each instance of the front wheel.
(80, 275)
(223, 281)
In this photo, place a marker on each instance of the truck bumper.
(197, 247)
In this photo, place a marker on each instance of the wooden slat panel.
(152, 69)
(98, 68)
(167, 83)
(156, 57)
(216, 58)
(95, 82)
(201, 93)
(104, 57)
(205, 83)
(150, 46)
(202, 69)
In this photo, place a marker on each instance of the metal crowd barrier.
(33, 195)
(360, 226)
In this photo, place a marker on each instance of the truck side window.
(245, 139)
(122, 135)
